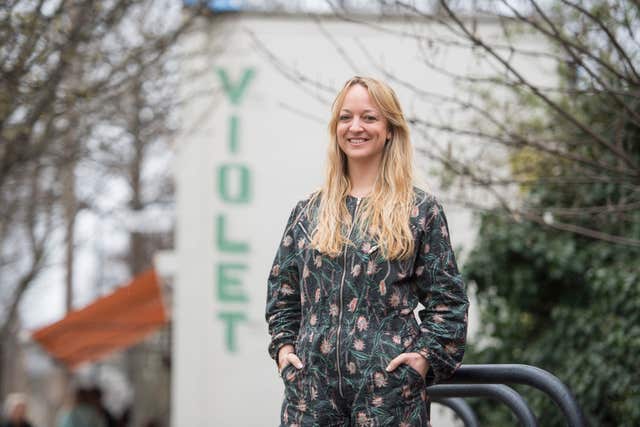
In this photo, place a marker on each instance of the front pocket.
(411, 383)
(284, 373)
(293, 384)
(397, 388)
(413, 373)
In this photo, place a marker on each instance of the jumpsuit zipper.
(344, 273)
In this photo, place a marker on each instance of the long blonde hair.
(385, 213)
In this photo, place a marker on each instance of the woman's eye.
(370, 118)
(342, 118)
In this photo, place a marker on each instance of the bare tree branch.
(612, 38)
(621, 154)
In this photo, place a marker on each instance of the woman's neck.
(363, 177)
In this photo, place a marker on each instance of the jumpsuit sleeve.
(440, 288)
(283, 311)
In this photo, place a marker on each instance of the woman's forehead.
(357, 98)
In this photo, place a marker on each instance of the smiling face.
(361, 129)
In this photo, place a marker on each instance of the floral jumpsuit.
(348, 316)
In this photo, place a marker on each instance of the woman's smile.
(357, 141)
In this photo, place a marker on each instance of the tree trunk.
(70, 208)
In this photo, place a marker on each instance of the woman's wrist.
(282, 353)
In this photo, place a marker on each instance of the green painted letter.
(231, 318)
(229, 286)
(233, 133)
(242, 191)
(235, 92)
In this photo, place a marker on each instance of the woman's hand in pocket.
(287, 356)
(414, 360)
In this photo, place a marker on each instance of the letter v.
(235, 92)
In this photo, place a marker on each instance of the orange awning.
(113, 322)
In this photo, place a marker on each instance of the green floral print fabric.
(348, 316)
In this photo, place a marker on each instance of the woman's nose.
(355, 124)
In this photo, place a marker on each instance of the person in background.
(95, 396)
(152, 422)
(16, 411)
(125, 418)
(82, 413)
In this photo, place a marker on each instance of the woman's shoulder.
(311, 199)
(302, 206)
(315, 194)
(424, 199)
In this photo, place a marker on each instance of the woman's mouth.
(357, 141)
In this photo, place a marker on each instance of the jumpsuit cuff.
(431, 376)
(439, 369)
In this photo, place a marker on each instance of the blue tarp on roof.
(218, 5)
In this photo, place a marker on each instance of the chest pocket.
(379, 267)
(304, 233)
(309, 258)
(369, 258)
(370, 251)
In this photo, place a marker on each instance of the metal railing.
(489, 381)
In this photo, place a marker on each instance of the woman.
(354, 261)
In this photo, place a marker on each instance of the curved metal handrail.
(461, 408)
(500, 392)
(527, 375)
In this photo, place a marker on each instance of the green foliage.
(568, 305)
(558, 300)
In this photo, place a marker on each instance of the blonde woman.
(355, 260)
